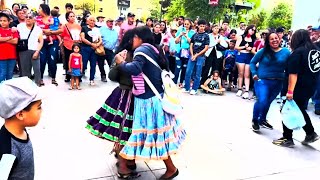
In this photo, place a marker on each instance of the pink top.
(125, 27)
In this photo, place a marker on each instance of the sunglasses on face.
(29, 17)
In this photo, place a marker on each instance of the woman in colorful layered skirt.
(156, 135)
(113, 121)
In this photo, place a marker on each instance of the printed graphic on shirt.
(314, 61)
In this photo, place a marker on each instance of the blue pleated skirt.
(155, 134)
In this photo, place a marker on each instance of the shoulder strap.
(69, 32)
(154, 90)
(149, 58)
(30, 31)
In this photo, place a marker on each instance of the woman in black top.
(303, 70)
(244, 46)
(157, 34)
(91, 40)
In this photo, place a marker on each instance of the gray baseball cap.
(16, 94)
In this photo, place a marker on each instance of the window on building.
(100, 9)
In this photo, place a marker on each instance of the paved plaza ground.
(220, 143)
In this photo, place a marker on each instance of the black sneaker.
(310, 139)
(283, 142)
(265, 124)
(255, 126)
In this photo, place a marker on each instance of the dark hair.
(68, 5)
(56, 7)
(301, 38)
(84, 18)
(215, 71)
(28, 108)
(221, 30)
(127, 41)
(182, 17)
(233, 31)
(233, 41)
(68, 14)
(190, 21)
(45, 8)
(225, 21)
(146, 36)
(202, 22)
(24, 6)
(165, 26)
(19, 11)
(5, 15)
(76, 45)
(148, 20)
(14, 5)
(267, 50)
(54, 13)
(254, 37)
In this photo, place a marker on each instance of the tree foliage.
(85, 5)
(281, 15)
(176, 9)
(259, 19)
(205, 11)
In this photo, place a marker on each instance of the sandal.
(54, 82)
(79, 88)
(70, 88)
(171, 177)
(131, 175)
(41, 83)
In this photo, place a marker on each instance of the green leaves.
(281, 15)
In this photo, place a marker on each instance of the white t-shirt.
(33, 41)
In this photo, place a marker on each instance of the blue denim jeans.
(198, 63)
(266, 91)
(49, 54)
(181, 65)
(88, 54)
(6, 69)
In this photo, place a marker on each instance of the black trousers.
(308, 128)
(109, 57)
(172, 63)
(67, 54)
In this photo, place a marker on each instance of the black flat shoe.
(171, 177)
(131, 175)
(131, 167)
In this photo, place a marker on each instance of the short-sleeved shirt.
(214, 84)
(306, 63)
(33, 40)
(23, 167)
(91, 34)
(199, 41)
(125, 27)
(8, 50)
(43, 25)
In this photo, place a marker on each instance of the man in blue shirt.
(109, 40)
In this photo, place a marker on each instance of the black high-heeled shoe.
(171, 177)
(131, 175)
(131, 167)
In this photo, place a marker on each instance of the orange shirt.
(8, 50)
(74, 31)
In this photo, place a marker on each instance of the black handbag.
(219, 47)
(23, 43)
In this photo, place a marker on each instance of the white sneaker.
(185, 91)
(92, 83)
(239, 93)
(245, 95)
(193, 92)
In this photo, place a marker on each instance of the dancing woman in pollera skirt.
(156, 135)
(113, 121)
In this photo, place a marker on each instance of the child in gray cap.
(20, 106)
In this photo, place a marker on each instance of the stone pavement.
(220, 143)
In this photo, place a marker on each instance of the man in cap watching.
(100, 21)
(20, 104)
(129, 24)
